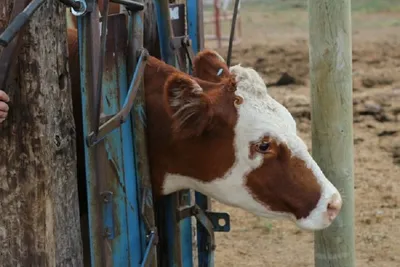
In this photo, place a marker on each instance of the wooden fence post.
(39, 222)
(332, 120)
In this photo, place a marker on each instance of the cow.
(221, 133)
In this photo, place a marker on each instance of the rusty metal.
(113, 224)
(72, 3)
(205, 221)
(185, 43)
(149, 231)
(133, 6)
(177, 15)
(103, 39)
(116, 120)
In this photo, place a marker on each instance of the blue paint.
(123, 213)
(192, 22)
(186, 236)
(132, 209)
(184, 231)
(205, 258)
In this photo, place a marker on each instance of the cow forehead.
(260, 114)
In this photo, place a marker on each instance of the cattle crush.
(121, 225)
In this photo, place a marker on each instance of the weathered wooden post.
(39, 223)
(332, 118)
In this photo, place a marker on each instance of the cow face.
(272, 173)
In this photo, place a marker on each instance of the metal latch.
(185, 43)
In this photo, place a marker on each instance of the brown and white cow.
(222, 134)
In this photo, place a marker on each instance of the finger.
(4, 96)
(3, 114)
(3, 106)
(1, 120)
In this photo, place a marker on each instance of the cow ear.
(188, 105)
(208, 65)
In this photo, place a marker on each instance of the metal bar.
(133, 6)
(18, 22)
(121, 117)
(147, 257)
(72, 3)
(88, 51)
(103, 40)
(172, 237)
(205, 256)
(148, 230)
(232, 34)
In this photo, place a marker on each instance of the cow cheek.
(266, 184)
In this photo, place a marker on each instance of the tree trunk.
(39, 222)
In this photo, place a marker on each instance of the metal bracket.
(220, 220)
(118, 119)
(185, 43)
(210, 221)
(108, 215)
(78, 7)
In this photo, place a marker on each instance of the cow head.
(246, 146)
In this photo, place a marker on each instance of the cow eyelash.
(263, 147)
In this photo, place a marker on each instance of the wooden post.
(332, 119)
(39, 222)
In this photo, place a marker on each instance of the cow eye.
(263, 147)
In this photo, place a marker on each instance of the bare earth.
(277, 43)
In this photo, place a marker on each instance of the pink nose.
(334, 206)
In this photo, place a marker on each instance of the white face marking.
(259, 115)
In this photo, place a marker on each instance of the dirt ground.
(275, 43)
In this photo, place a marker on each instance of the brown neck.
(187, 157)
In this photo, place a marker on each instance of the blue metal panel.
(135, 27)
(178, 235)
(205, 256)
(110, 163)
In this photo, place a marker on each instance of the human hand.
(3, 106)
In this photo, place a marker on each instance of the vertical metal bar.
(170, 231)
(88, 51)
(179, 29)
(135, 43)
(195, 31)
(126, 246)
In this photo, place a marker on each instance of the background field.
(274, 41)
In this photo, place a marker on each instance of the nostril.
(334, 206)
